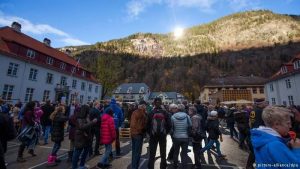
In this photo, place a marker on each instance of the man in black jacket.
(45, 120)
(95, 132)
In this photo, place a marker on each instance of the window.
(273, 101)
(49, 79)
(12, 69)
(33, 74)
(288, 83)
(63, 81)
(297, 64)
(291, 100)
(261, 90)
(46, 95)
(81, 99)
(62, 66)
(129, 90)
(50, 60)
(73, 70)
(7, 92)
(254, 90)
(74, 84)
(83, 73)
(89, 98)
(284, 69)
(271, 88)
(30, 53)
(73, 98)
(82, 86)
(142, 90)
(96, 89)
(29, 94)
(90, 87)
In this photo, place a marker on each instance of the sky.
(82, 22)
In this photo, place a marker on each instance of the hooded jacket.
(118, 113)
(213, 128)
(57, 134)
(270, 148)
(82, 131)
(180, 124)
(108, 132)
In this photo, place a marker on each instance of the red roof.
(9, 35)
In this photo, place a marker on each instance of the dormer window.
(297, 64)
(142, 90)
(62, 66)
(284, 69)
(118, 90)
(129, 90)
(73, 70)
(83, 73)
(30, 53)
(50, 61)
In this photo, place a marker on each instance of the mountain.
(246, 43)
(234, 32)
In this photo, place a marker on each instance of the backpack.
(159, 123)
(198, 134)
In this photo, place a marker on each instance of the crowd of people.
(264, 131)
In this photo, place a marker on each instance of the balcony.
(60, 87)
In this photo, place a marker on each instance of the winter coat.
(118, 113)
(108, 132)
(213, 128)
(38, 113)
(256, 118)
(72, 124)
(138, 122)
(28, 119)
(242, 121)
(270, 148)
(95, 114)
(168, 123)
(45, 119)
(58, 124)
(83, 132)
(180, 124)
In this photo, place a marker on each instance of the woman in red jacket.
(108, 135)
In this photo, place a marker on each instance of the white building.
(132, 92)
(32, 70)
(283, 88)
(167, 97)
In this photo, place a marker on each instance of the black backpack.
(158, 126)
(199, 133)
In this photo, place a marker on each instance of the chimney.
(47, 41)
(16, 26)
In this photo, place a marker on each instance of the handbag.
(26, 134)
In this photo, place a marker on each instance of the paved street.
(236, 158)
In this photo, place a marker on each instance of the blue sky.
(78, 22)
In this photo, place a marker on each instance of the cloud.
(135, 7)
(73, 41)
(39, 29)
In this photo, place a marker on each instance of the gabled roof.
(9, 34)
(135, 88)
(170, 95)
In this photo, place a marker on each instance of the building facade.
(233, 88)
(33, 70)
(132, 92)
(167, 97)
(283, 88)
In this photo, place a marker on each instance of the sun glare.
(178, 32)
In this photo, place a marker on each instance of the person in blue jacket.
(118, 120)
(272, 146)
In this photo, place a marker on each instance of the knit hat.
(213, 113)
(142, 102)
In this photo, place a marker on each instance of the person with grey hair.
(269, 142)
(173, 108)
(181, 123)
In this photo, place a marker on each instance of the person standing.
(82, 136)
(95, 114)
(57, 136)
(108, 135)
(118, 121)
(173, 108)
(45, 120)
(137, 130)
(181, 123)
(159, 123)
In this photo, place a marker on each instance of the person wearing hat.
(137, 130)
(214, 133)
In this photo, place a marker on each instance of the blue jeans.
(137, 144)
(55, 149)
(76, 154)
(46, 133)
(210, 144)
(108, 150)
